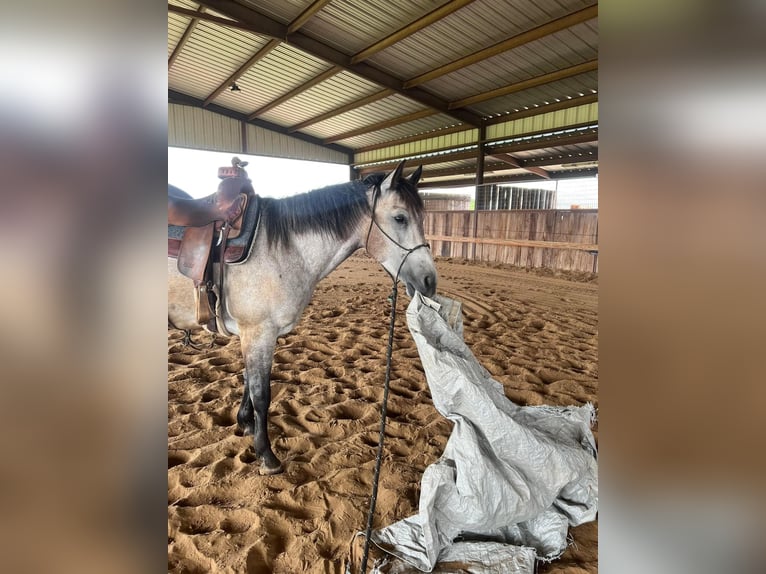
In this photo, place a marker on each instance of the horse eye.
(400, 219)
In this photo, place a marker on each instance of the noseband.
(376, 194)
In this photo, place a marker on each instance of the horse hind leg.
(258, 351)
(246, 414)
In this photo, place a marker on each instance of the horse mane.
(333, 210)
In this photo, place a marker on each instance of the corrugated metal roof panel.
(350, 25)
(446, 40)
(472, 28)
(284, 11)
(184, 4)
(523, 63)
(177, 25)
(201, 129)
(210, 56)
(341, 89)
(278, 72)
(389, 108)
(582, 38)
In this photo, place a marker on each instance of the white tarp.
(514, 478)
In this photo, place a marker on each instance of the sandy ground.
(537, 334)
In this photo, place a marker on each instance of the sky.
(196, 172)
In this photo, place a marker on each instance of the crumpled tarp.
(509, 475)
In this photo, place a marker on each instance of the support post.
(479, 182)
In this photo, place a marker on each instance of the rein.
(386, 385)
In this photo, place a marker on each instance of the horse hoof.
(269, 470)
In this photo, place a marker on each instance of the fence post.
(474, 231)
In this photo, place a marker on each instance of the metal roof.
(385, 80)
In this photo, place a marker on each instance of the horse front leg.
(245, 414)
(258, 351)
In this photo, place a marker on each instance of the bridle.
(375, 196)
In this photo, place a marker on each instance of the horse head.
(395, 236)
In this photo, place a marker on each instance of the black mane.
(332, 210)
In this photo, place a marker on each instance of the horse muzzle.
(425, 285)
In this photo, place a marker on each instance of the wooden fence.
(554, 238)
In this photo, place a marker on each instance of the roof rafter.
(409, 29)
(306, 15)
(520, 39)
(211, 18)
(184, 37)
(514, 162)
(261, 24)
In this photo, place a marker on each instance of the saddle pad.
(237, 248)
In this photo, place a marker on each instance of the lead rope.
(381, 436)
(386, 385)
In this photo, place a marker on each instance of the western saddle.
(195, 226)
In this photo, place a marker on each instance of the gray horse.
(300, 240)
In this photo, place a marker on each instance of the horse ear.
(392, 179)
(415, 175)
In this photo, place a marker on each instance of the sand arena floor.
(537, 333)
